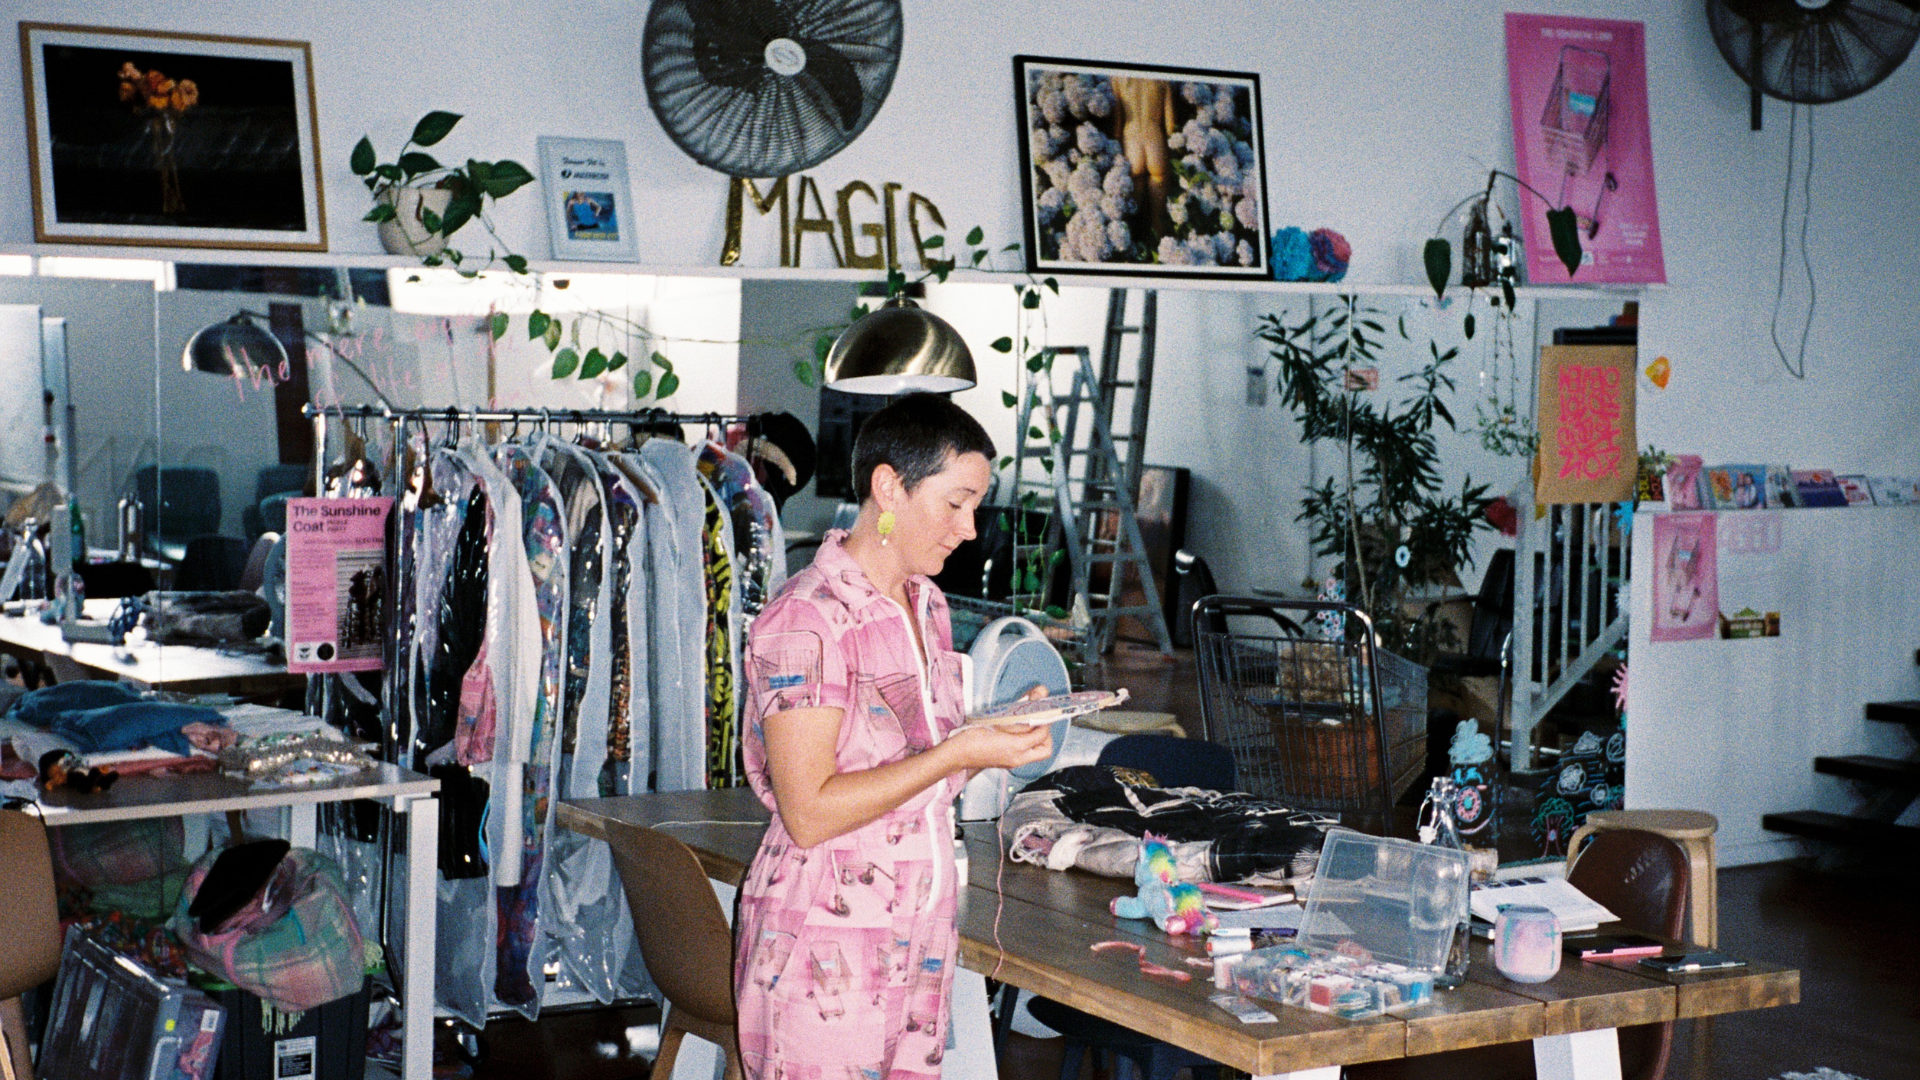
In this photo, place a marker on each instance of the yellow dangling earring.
(885, 526)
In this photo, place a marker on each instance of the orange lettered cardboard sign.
(1587, 436)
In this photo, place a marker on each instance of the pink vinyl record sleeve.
(1581, 139)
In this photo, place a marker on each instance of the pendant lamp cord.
(1806, 258)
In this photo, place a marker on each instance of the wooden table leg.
(1582, 1055)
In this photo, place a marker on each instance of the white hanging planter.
(406, 233)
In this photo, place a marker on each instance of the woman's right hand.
(1004, 746)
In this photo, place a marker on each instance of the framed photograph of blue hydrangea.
(1141, 169)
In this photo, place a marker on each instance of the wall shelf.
(368, 260)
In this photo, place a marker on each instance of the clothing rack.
(320, 414)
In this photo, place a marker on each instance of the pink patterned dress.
(845, 950)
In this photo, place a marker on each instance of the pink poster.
(336, 583)
(1686, 578)
(1580, 138)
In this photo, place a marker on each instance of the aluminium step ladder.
(1066, 453)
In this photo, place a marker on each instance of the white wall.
(1732, 727)
(1379, 115)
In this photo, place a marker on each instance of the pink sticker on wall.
(1581, 139)
(1686, 578)
(336, 584)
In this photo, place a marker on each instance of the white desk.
(187, 668)
(409, 793)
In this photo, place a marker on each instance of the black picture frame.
(1162, 221)
(153, 139)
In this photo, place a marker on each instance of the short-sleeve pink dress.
(845, 950)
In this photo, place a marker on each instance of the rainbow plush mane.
(1173, 905)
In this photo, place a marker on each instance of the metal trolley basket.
(1335, 725)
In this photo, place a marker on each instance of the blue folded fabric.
(44, 706)
(133, 725)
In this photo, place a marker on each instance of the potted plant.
(419, 203)
(1562, 227)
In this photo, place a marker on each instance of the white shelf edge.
(374, 261)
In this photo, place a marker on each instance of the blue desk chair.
(177, 503)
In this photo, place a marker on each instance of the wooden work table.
(1033, 928)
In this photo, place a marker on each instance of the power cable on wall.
(1806, 258)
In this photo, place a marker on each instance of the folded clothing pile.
(205, 618)
(1087, 816)
(93, 717)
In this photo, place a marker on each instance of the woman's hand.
(1002, 746)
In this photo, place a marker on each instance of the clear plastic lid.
(1398, 900)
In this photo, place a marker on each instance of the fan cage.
(1813, 56)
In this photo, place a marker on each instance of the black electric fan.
(765, 88)
(1811, 52)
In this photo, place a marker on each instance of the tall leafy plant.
(1383, 515)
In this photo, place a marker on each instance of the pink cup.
(1526, 943)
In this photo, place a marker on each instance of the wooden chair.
(1641, 877)
(684, 939)
(29, 932)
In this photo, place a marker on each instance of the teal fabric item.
(43, 707)
(133, 725)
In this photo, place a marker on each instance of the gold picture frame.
(147, 138)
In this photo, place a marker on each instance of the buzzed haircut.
(914, 435)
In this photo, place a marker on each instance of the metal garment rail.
(320, 414)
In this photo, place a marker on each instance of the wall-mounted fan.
(764, 88)
(1811, 52)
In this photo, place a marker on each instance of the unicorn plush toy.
(1174, 905)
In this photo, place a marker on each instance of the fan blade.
(736, 33)
(836, 77)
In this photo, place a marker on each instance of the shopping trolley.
(1316, 714)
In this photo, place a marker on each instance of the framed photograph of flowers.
(144, 138)
(1140, 169)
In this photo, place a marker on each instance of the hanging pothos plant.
(1383, 515)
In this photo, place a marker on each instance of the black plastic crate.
(263, 1043)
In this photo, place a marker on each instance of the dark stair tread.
(1894, 712)
(1879, 770)
(1841, 829)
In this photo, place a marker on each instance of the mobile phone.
(1692, 961)
(1614, 946)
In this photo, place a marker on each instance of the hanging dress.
(675, 530)
(519, 976)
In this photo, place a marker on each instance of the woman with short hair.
(846, 942)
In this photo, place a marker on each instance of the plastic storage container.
(112, 1019)
(327, 1043)
(1387, 899)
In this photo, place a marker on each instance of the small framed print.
(589, 205)
(153, 139)
(1136, 169)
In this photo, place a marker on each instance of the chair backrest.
(178, 501)
(1639, 876)
(212, 563)
(274, 479)
(684, 936)
(29, 924)
(1174, 762)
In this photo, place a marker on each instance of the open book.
(1574, 909)
(1047, 710)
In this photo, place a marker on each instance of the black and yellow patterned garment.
(724, 768)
